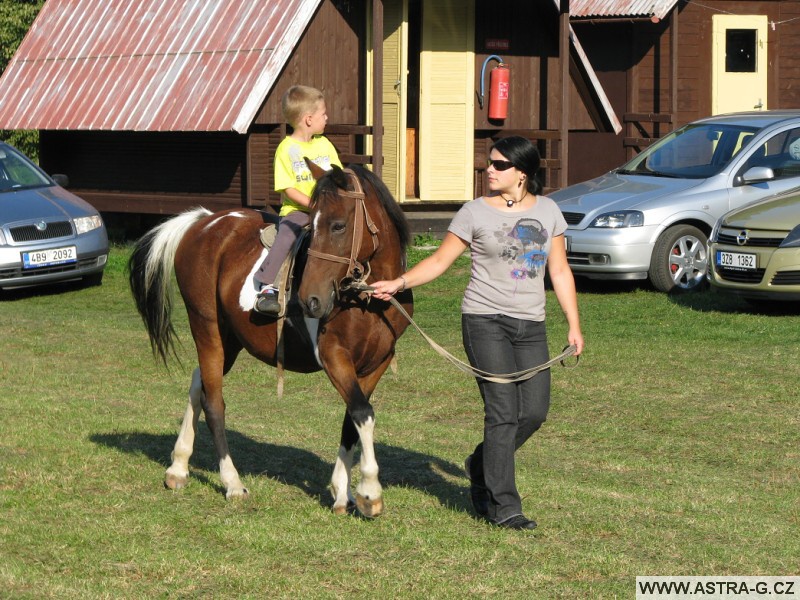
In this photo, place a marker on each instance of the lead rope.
(469, 369)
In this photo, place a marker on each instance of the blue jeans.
(512, 411)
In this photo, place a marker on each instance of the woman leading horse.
(358, 230)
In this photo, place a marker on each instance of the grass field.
(672, 449)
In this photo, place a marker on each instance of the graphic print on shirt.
(299, 166)
(522, 246)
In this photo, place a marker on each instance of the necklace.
(511, 202)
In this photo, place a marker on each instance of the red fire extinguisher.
(499, 81)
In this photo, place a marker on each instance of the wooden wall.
(331, 56)
(161, 173)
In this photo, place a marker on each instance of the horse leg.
(343, 499)
(177, 476)
(356, 392)
(216, 354)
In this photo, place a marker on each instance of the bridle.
(356, 271)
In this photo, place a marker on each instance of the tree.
(16, 17)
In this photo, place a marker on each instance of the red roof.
(150, 65)
(621, 8)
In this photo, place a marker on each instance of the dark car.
(47, 234)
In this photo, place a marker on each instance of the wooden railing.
(648, 126)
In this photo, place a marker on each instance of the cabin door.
(739, 63)
(446, 100)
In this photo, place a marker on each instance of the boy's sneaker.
(267, 302)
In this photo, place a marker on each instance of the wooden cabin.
(155, 107)
(666, 63)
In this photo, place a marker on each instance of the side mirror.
(757, 175)
(60, 179)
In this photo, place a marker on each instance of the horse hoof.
(236, 494)
(369, 507)
(175, 482)
(347, 509)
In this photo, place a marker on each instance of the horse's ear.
(339, 177)
(316, 171)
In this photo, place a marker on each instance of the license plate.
(735, 260)
(46, 258)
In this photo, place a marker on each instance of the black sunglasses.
(499, 165)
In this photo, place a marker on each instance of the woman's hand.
(576, 337)
(384, 290)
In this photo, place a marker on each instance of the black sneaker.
(267, 302)
(520, 522)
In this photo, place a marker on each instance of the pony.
(357, 230)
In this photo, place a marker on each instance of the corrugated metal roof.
(621, 8)
(150, 65)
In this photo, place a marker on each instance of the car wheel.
(680, 259)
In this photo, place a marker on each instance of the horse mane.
(332, 180)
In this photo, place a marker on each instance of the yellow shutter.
(395, 17)
(447, 100)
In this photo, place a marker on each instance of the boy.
(304, 109)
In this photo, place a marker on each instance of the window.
(740, 50)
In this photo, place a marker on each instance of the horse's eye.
(338, 227)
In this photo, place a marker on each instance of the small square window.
(740, 50)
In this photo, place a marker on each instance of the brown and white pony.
(358, 231)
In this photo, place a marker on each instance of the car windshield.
(17, 172)
(691, 152)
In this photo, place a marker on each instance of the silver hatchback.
(47, 234)
(650, 218)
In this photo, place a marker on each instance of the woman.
(513, 234)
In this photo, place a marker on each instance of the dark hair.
(524, 156)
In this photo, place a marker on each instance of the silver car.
(650, 218)
(47, 234)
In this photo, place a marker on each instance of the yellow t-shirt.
(291, 170)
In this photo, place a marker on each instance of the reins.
(469, 369)
(357, 273)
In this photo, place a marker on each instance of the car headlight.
(619, 219)
(792, 240)
(87, 224)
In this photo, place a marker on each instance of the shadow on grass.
(298, 467)
(43, 291)
(709, 300)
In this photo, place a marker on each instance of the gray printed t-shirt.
(509, 255)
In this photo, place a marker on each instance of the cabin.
(155, 107)
(666, 63)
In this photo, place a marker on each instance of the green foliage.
(671, 449)
(16, 17)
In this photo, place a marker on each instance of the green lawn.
(671, 450)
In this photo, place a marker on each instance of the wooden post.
(564, 43)
(673, 66)
(377, 87)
